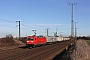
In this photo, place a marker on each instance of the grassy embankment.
(88, 41)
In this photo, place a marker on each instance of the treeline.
(84, 37)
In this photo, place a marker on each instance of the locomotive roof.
(41, 36)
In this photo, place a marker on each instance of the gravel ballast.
(81, 51)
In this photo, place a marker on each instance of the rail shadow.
(23, 47)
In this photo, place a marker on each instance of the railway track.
(38, 53)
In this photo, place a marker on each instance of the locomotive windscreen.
(30, 38)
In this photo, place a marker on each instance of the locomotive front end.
(30, 41)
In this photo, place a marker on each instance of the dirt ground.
(81, 51)
(10, 43)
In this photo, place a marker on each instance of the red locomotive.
(33, 41)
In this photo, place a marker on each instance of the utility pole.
(19, 28)
(34, 31)
(56, 31)
(47, 30)
(75, 31)
(53, 33)
(60, 34)
(72, 22)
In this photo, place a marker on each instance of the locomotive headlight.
(31, 41)
(27, 41)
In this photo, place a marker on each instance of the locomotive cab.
(30, 42)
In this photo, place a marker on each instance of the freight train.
(34, 40)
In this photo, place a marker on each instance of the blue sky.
(43, 14)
